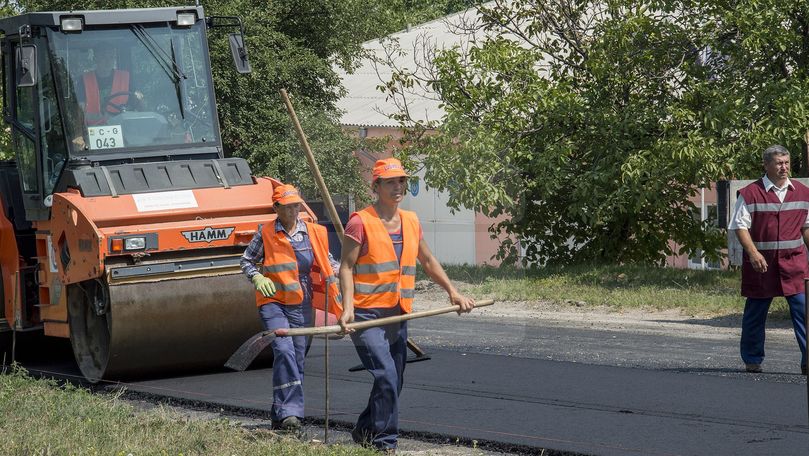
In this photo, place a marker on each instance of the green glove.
(263, 285)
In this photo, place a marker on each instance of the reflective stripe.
(408, 293)
(280, 267)
(374, 289)
(793, 205)
(775, 207)
(379, 267)
(288, 286)
(330, 279)
(287, 385)
(409, 270)
(779, 245)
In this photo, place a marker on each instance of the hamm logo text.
(208, 234)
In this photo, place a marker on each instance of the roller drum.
(174, 325)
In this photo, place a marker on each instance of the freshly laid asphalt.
(524, 386)
(556, 405)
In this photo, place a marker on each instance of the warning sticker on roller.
(182, 199)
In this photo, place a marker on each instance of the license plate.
(105, 137)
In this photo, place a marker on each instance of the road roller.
(122, 222)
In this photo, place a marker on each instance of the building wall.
(706, 202)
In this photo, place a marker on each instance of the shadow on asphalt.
(728, 370)
(776, 319)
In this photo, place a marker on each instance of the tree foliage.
(589, 124)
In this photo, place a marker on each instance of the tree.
(588, 124)
(758, 92)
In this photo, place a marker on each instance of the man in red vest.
(770, 220)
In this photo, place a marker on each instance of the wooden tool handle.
(310, 158)
(334, 329)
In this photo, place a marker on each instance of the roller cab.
(122, 222)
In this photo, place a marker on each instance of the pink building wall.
(707, 197)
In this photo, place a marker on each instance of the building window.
(710, 215)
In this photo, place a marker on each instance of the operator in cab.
(105, 91)
(288, 251)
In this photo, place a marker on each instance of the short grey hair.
(772, 151)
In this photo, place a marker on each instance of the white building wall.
(450, 236)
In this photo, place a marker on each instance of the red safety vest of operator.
(93, 113)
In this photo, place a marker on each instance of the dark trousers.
(754, 319)
(383, 352)
(288, 357)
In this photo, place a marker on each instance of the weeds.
(695, 292)
(39, 417)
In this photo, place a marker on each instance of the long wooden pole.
(310, 158)
(338, 228)
(336, 329)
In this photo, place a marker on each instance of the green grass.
(38, 417)
(694, 292)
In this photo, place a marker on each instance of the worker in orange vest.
(106, 90)
(289, 251)
(377, 278)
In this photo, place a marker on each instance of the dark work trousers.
(383, 352)
(289, 352)
(754, 319)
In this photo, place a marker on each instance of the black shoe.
(363, 439)
(754, 368)
(288, 424)
(803, 370)
(360, 438)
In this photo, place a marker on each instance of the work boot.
(753, 368)
(289, 424)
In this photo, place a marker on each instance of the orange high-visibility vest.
(379, 278)
(281, 266)
(92, 110)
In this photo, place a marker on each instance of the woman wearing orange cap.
(377, 278)
(288, 251)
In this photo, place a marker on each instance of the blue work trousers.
(754, 319)
(383, 351)
(289, 354)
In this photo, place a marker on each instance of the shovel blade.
(241, 359)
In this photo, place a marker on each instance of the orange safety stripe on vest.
(319, 238)
(379, 278)
(281, 266)
(92, 95)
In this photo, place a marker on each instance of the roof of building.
(410, 51)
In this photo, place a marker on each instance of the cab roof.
(10, 25)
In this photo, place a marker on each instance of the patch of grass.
(40, 417)
(694, 292)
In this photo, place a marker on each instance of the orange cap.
(286, 194)
(387, 168)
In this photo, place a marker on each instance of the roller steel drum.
(138, 328)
